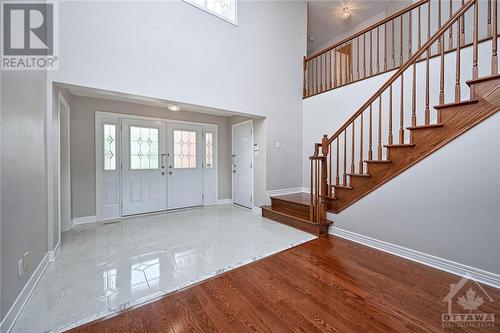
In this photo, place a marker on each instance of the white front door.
(185, 176)
(242, 164)
(144, 174)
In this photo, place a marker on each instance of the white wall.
(174, 51)
(447, 205)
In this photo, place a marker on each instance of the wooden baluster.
(357, 58)
(370, 135)
(313, 66)
(462, 29)
(494, 33)
(390, 138)
(489, 19)
(401, 113)
(305, 77)
(393, 46)
(321, 73)
(330, 175)
(401, 42)
(419, 29)
(311, 205)
(361, 145)
(427, 110)
(450, 37)
(371, 54)
(385, 47)
(414, 97)
(409, 36)
(353, 169)
(457, 64)
(440, 41)
(337, 177)
(335, 83)
(341, 69)
(427, 117)
(378, 49)
(330, 83)
(344, 176)
(474, 49)
(441, 77)
(364, 55)
(379, 146)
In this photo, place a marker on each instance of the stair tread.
(342, 186)
(298, 198)
(400, 145)
(484, 78)
(378, 161)
(326, 222)
(358, 175)
(424, 126)
(461, 103)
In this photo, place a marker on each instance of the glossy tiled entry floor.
(104, 268)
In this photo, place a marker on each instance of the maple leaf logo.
(470, 301)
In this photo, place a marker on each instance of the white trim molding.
(446, 265)
(84, 220)
(224, 201)
(54, 253)
(24, 295)
(284, 191)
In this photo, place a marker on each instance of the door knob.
(170, 172)
(163, 173)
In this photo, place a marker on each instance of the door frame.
(61, 101)
(99, 114)
(233, 126)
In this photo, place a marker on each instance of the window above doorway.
(224, 9)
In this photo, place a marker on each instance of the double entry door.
(161, 166)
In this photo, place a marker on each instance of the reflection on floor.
(104, 268)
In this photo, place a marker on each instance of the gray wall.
(23, 174)
(83, 149)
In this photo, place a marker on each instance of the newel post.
(324, 176)
(305, 77)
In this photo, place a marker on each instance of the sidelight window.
(109, 147)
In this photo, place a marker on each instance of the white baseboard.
(283, 191)
(84, 220)
(224, 201)
(54, 253)
(24, 295)
(446, 265)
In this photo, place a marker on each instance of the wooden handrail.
(371, 27)
(404, 67)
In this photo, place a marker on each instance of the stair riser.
(295, 223)
(358, 181)
(489, 91)
(290, 207)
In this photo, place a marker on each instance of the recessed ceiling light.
(173, 108)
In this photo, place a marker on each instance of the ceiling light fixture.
(173, 108)
(346, 12)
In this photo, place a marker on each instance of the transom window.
(143, 148)
(109, 147)
(184, 149)
(209, 150)
(225, 9)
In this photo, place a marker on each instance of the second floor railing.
(389, 43)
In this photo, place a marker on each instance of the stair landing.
(293, 210)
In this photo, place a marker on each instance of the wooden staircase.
(363, 154)
(293, 210)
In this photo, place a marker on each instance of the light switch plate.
(20, 269)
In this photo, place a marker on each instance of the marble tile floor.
(104, 268)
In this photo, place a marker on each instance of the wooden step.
(342, 187)
(317, 229)
(378, 161)
(358, 175)
(296, 204)
(454, 104)
(400, 145)
(423, 127)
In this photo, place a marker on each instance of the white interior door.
(143, 170)
(185, 177)
(242, 164)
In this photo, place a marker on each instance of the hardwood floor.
(326, 285)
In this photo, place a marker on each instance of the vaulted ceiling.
(325, 21)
